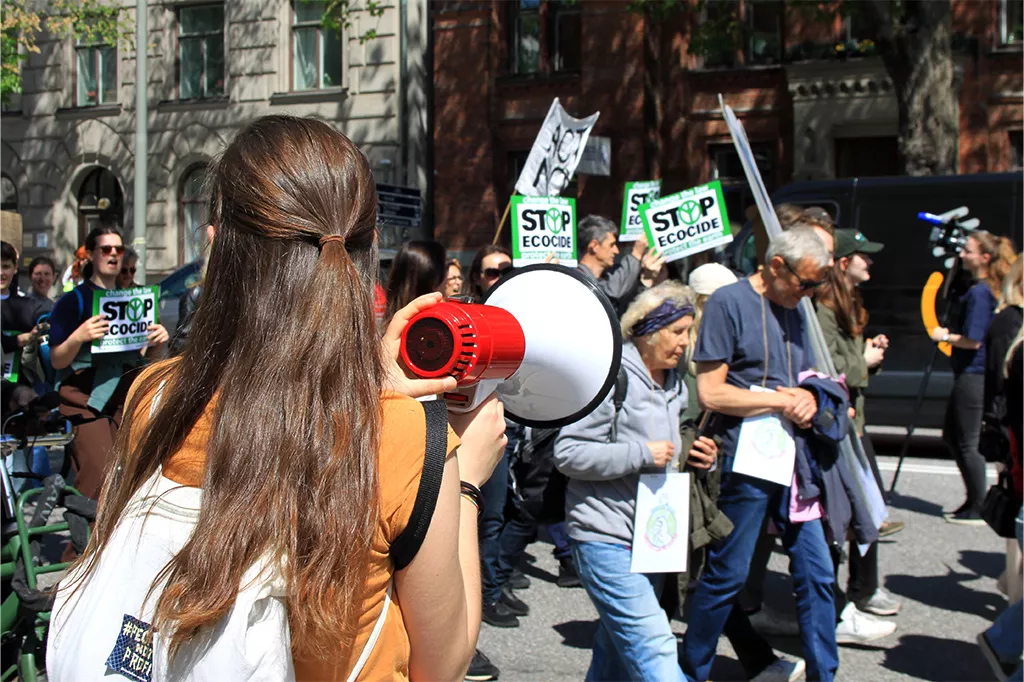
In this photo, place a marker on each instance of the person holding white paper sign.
(617, 453)
(752, 336)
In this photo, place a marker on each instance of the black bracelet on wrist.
(473, 493)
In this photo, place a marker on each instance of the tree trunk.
(918, 56)
(653, 96)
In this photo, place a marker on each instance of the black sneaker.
(499, 615)
(959, 510)
(968, 517)
(567, 575)
(481, 668)
(518, 581)
(514, 603)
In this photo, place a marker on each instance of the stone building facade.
(67, 144)
(815, 100)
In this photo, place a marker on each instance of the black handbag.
(1001, 507)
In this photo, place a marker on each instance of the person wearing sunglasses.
(490, 264)
(93, 387)
(126, 275)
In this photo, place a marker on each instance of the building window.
(1016, 149)
(764, 22)
(95, 72)
(564, 36)
(201, 51)
(727, 167)
(525, 39)
(1011, 22)
(100, 202)
(192, 240)
(316, 52)
(864, 157)
(8, 194)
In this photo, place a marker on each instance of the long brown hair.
(471, 284)
(284, 336)
(419, 268)
(840, 296)
(1001, 256)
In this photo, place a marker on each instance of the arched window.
(8, 194)
(192, 238)
(100, 202)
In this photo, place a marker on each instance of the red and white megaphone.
(545, 338)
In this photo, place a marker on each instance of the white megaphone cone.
(545, 338)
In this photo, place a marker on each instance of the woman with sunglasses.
(489, 265)
(93, 387)
(126, 275)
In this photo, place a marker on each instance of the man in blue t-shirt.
(752, 335)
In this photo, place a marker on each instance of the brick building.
(815, 101)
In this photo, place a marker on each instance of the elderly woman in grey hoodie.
(634, 639)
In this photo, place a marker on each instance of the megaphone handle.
(467, 398)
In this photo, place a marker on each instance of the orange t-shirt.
(399, 468)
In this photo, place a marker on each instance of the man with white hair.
(751, 348)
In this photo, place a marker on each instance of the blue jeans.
(560, 538)
(634, 639)
(516, 536)
(745, 501)
(492, 518)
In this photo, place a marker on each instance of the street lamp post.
(141, 156)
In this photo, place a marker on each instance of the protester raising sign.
(636, 193)
(555, 154)
(542, 226)
(689, 222)
(130, 312)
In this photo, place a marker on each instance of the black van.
(885, 210)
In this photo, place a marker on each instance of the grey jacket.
(620, 283)
(601, 495)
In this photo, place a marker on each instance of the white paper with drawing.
(661, 526)
(765, 448)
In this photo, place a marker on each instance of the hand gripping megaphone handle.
(928, 315)
(467, 398)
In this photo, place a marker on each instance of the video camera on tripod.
(949, 232)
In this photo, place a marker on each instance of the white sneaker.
(768, 622)
(881, 603)
(782, 670)
(857, 627)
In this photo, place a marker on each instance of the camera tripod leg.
(914, 416)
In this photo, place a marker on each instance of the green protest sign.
(130, 312)
(689, 222)
(542, 226)
(12, 362)
(636, 194)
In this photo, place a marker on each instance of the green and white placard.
(130, 312)
(542, 226)
(12, 362)
(686, 223)
(636, 193)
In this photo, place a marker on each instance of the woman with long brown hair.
(311, 489)
(419, 268)
(988, 259)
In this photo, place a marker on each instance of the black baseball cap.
(849, 242)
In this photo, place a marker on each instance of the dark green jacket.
(848, 356)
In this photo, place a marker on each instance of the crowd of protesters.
(387, 530)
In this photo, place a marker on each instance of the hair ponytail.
(1001, 256)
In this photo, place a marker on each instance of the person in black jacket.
(1001, 332)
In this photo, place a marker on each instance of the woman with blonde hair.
(988, 259)
(603, 456)
(278, 510)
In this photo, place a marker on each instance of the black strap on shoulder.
(618, 398)
(405, 546)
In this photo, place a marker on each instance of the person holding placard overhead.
(751, 348)
(93, 386)
(607, 457)
(618, 278)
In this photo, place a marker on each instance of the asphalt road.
(944, 574)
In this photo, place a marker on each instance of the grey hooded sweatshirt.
(600, 499)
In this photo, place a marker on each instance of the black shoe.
(481, 668)
(518, 581)
(499, 615)
(567, 576)
(514, 603)
(968, 517)
(959, 510)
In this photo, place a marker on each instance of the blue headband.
(662, 316)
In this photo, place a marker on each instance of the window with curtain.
(764, 17)
(524, 41)
(316, 51)
(201, 51)
(193, 215)
(1011, 22)
(95, 72)
(564, 35)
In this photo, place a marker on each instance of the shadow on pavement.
(988, 564)
(937, 659)
(914, 504)
(578, 634)
(948, 592)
